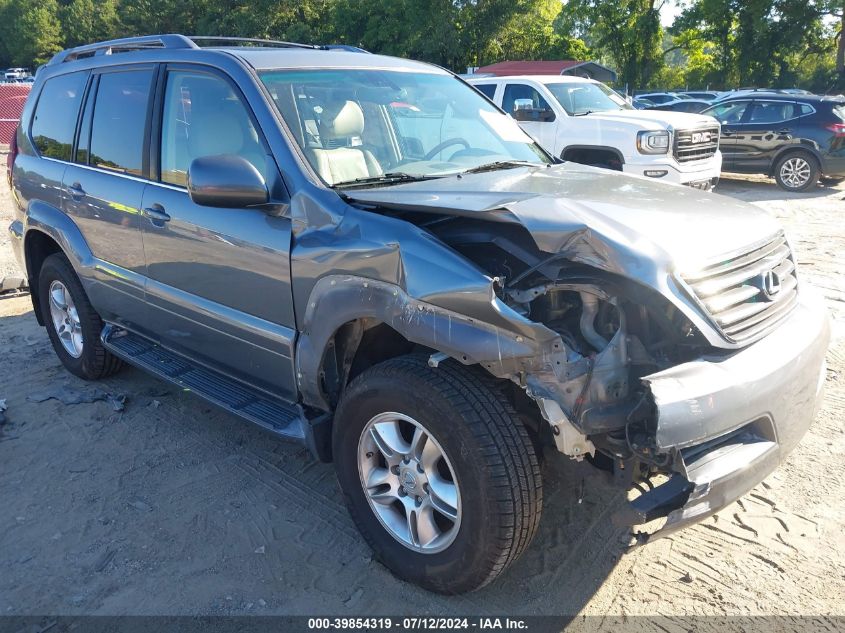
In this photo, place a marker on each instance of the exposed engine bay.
(614, 333)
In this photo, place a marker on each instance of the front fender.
(339, 299)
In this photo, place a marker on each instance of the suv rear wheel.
(796, 171)
(438, 472)
(72, 324)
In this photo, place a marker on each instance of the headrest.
(341, 120)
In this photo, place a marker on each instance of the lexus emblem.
(409, 482)
(770, 284)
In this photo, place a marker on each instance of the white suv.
(584, 121)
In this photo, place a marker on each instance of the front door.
(218, 279)
(768, 128)
(730, 115)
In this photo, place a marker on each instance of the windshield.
(370, 125)
(585, 97)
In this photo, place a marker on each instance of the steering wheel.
(447, 143)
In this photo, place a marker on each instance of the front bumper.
(701, 173)
(731, 421)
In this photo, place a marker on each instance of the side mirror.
(524, 110)
(522, 104)
(226, 181)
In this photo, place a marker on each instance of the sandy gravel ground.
(174, 507)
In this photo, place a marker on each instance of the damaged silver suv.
(365, 255)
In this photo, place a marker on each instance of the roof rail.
(251, 40)
(122, 45)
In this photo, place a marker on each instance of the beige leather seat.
(338, 160)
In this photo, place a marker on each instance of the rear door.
(218, 280)
(731, 116)
(769, 127)
(103, 188)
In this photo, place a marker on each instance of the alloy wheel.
(409, 482)
(795, 172)
(65, 319)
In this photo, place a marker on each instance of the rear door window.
(119, 124)
(771, 112)
(54, 123)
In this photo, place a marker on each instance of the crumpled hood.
(653, 119)
(614, 221)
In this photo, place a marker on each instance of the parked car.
(662, 97)
(584, 121)
(364, 255)
(701, 95)
(642, 104)
(13, 74)
(794, 138)
(741, 92)
(683, 105)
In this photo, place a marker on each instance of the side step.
(277, 416)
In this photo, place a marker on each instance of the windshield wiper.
(501, 164)
(384, 179)
(584, 113)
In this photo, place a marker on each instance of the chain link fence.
(12, 98)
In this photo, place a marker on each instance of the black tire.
(806, 161)
(94, 362)
(488, 447)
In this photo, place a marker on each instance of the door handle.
(156, 214)
(76, 191)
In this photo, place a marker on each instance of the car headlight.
(656, 142)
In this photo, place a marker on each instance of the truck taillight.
(838, 129)
(10, 157)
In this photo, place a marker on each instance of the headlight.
(653, 142)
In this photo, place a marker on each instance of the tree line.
(715, 43)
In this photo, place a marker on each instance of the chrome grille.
(696, 144)
(748, 293)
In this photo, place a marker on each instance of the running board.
(279, 417)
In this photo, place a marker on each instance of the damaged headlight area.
(596, 397)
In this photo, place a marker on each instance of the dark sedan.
(794, 138)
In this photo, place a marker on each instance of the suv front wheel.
(438, 472)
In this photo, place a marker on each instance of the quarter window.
(55, 115)
(119, 124)
(204, 117)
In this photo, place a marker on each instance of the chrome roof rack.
(122, 45)
(252, 41)
(170, 41)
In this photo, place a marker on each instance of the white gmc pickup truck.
(584, 121)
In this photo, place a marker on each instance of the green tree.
(85, 21)
(30, 31)
(627, 31)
